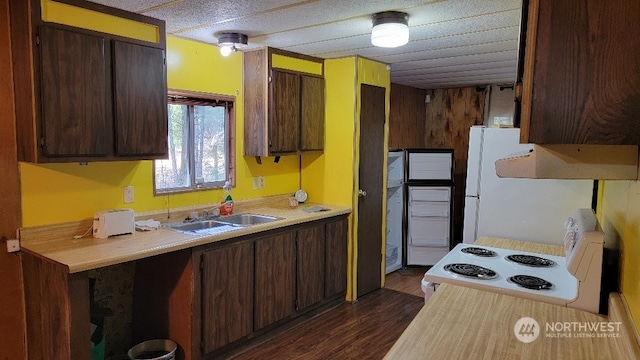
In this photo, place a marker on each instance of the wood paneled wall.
(449, 116)
(406, 117)
(444, 122)
(12, 322)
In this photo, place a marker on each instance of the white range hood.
(569, 161)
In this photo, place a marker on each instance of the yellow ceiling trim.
(286, 62)
(92, 20)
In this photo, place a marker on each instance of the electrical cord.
(83, 235)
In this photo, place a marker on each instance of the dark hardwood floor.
(407, 280)
(365, 329)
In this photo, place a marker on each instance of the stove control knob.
(570, 224)
(569, 241)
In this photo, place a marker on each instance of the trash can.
(159, 349)
(97, 317)
(97, 339)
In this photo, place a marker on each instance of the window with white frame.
(201, 143)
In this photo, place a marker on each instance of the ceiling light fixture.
(231, 42)
(390, 29)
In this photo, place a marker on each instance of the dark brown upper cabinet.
(74, 94)
(140, 100)
(283, 108)
(83, 95)
(580, 72)
(312, 113)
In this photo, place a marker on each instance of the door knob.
(362, 193)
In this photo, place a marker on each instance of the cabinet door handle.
(362, 193)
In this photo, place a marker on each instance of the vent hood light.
(569, 161)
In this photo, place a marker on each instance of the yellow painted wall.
(55, 193)
(619, 215)
(328, 177)
(332, 176)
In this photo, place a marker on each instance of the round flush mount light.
(390, 29)
(231, 42)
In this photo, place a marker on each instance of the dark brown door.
(336, 258)
(275, 279)
(227, 295)
(75, 94)
(310, 250)
(372, 116)
(140, 100)
(284, 124)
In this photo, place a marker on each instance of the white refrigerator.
(520, 209)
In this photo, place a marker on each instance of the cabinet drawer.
(429, 231)
(429, 194)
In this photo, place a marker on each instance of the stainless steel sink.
(197, 225)
(222, 224)
(247, 219)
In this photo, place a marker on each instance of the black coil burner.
(530, 260)
(530, 282)
(472, 250)
(472, 271)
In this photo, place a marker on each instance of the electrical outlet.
(13, 245)
(258, 182)
(128, 194)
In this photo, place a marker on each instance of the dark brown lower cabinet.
(275, 279)
(336, 258)
(216, 298)
(310, 249)
(227, 295)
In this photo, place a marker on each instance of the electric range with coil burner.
(572, 281)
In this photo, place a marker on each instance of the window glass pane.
(210, 150)
(174, 171)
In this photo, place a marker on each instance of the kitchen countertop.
(464, 323)
(57, 244)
